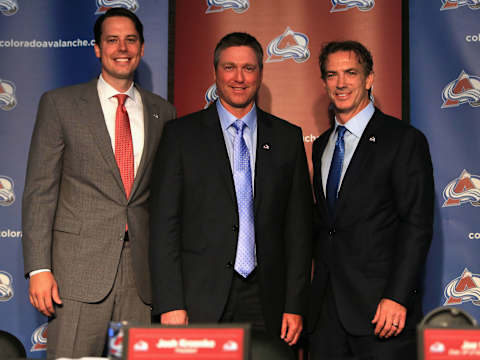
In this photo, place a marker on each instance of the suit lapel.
(366, 147)
(215, 140)
(91, 110)
(321, 200)
(265, 146)
(148, 142)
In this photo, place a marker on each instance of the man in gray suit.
(85, 213)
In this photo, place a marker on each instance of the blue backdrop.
(45, 45)
(445, 105)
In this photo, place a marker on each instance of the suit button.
(229, 265)
(331, 232)
(235, 228)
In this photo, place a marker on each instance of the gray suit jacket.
(74, 206)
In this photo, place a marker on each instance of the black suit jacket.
(194, 219)
(377, 243)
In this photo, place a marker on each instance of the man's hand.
(390, 318)
(292, 325)
(175, 317)
(43, 292)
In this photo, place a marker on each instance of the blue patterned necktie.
(242, 177)
(335, 170)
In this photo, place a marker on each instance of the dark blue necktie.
(335, 170)
(242, 177)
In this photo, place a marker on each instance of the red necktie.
(124, 144)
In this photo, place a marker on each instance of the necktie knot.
(341, 132)
(239, 125)
(121, 99)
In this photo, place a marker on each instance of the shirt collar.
(357, 124)
(106, 91)
(227, 119)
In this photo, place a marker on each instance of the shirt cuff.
(35, 272)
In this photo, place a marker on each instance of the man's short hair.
(97, 28)
(364, 56)
(238, 39)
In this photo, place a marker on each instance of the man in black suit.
(373, 184)
(204, 212)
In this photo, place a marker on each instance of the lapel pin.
(266, 146)
(155, 115)
(372, 139)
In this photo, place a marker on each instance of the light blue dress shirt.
(249, 134)
(355, 127)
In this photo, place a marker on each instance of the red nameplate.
(446, 344)
(186, 343)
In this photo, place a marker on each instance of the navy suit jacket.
(377, 242)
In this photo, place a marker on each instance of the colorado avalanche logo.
(454, 4)
(210, 96)
(463, 90)
(39, 338)
(8, 7)
(230, 345)
(104, 5)
(141, 346)
(7, 95)
(7, 196)
(289, 45)
(464, 189)
(464, 288)
(239, 6)
(6, 286)
(344, 5)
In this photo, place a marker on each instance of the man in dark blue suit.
(373, 184)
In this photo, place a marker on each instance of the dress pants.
(244, 304)
(331, 341)
(79, 329)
